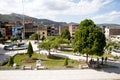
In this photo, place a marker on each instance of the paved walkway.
(86, 74)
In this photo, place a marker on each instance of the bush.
(2, 40)
(30, 50)
(66, 62)
(11, 61)
(34, 36)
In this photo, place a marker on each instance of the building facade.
(17, 31)
(63, 27)
(112, 32)
(8, 30)
(2, 31)
(42, 31)
(73, 29)
(29, 28)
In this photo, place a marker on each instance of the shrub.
(66, 62)
(30, 50)
(11, 61)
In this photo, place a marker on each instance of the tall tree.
(65, 34)
(89, 39)
(12, 38)
(46, 45)
(111, 45)
(1, 35)
(34, 36)
(30, 50)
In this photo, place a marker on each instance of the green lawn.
(57, 63)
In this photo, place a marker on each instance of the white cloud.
(108, 17)
(50, 8)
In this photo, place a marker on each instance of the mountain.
(109, 25)
(73, 23)
(18, 17)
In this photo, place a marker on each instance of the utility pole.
(38, 39)
(23, 21)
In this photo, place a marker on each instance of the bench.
(27, 68)
(40, 67)
(83, 66)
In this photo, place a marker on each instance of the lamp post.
(23, 33)
(38, 40)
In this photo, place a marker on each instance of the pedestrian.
(105, 59)
(97, 60)
(102, 60)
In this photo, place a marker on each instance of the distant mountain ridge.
(18, 17)
(13, 17)
(109, 25)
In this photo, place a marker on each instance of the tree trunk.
(86, 58)
(49, 54)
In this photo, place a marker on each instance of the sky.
(100, 11)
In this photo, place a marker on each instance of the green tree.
(89, 39)
(11, 61)
(111, 45)
(65, 34)
(30, 50)
(13, 38)
(2, 40)
(1, 35)
(61, 42)
(43, 38)
(46, 45)
(51, 38)
(34, 36)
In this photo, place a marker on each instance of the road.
(85, 74)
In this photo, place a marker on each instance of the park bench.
(83, 66)
(27, 67)
(40, 67)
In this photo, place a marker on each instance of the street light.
(38, 40)
(23, 33)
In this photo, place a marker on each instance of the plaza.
(69, 74)
(85, 74)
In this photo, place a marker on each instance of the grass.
(59, 64)
(67, 52)
(56, 63)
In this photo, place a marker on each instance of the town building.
(29, 28)
(63, 27)
(73, 29)
(112, 32)
(8, 30)
(17, 31)
(2, 31)
(52, 30)
(42, 31)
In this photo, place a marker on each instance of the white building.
(112, 33)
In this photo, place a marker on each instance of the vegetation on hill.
(18, 17)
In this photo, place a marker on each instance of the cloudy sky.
(100, 11)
